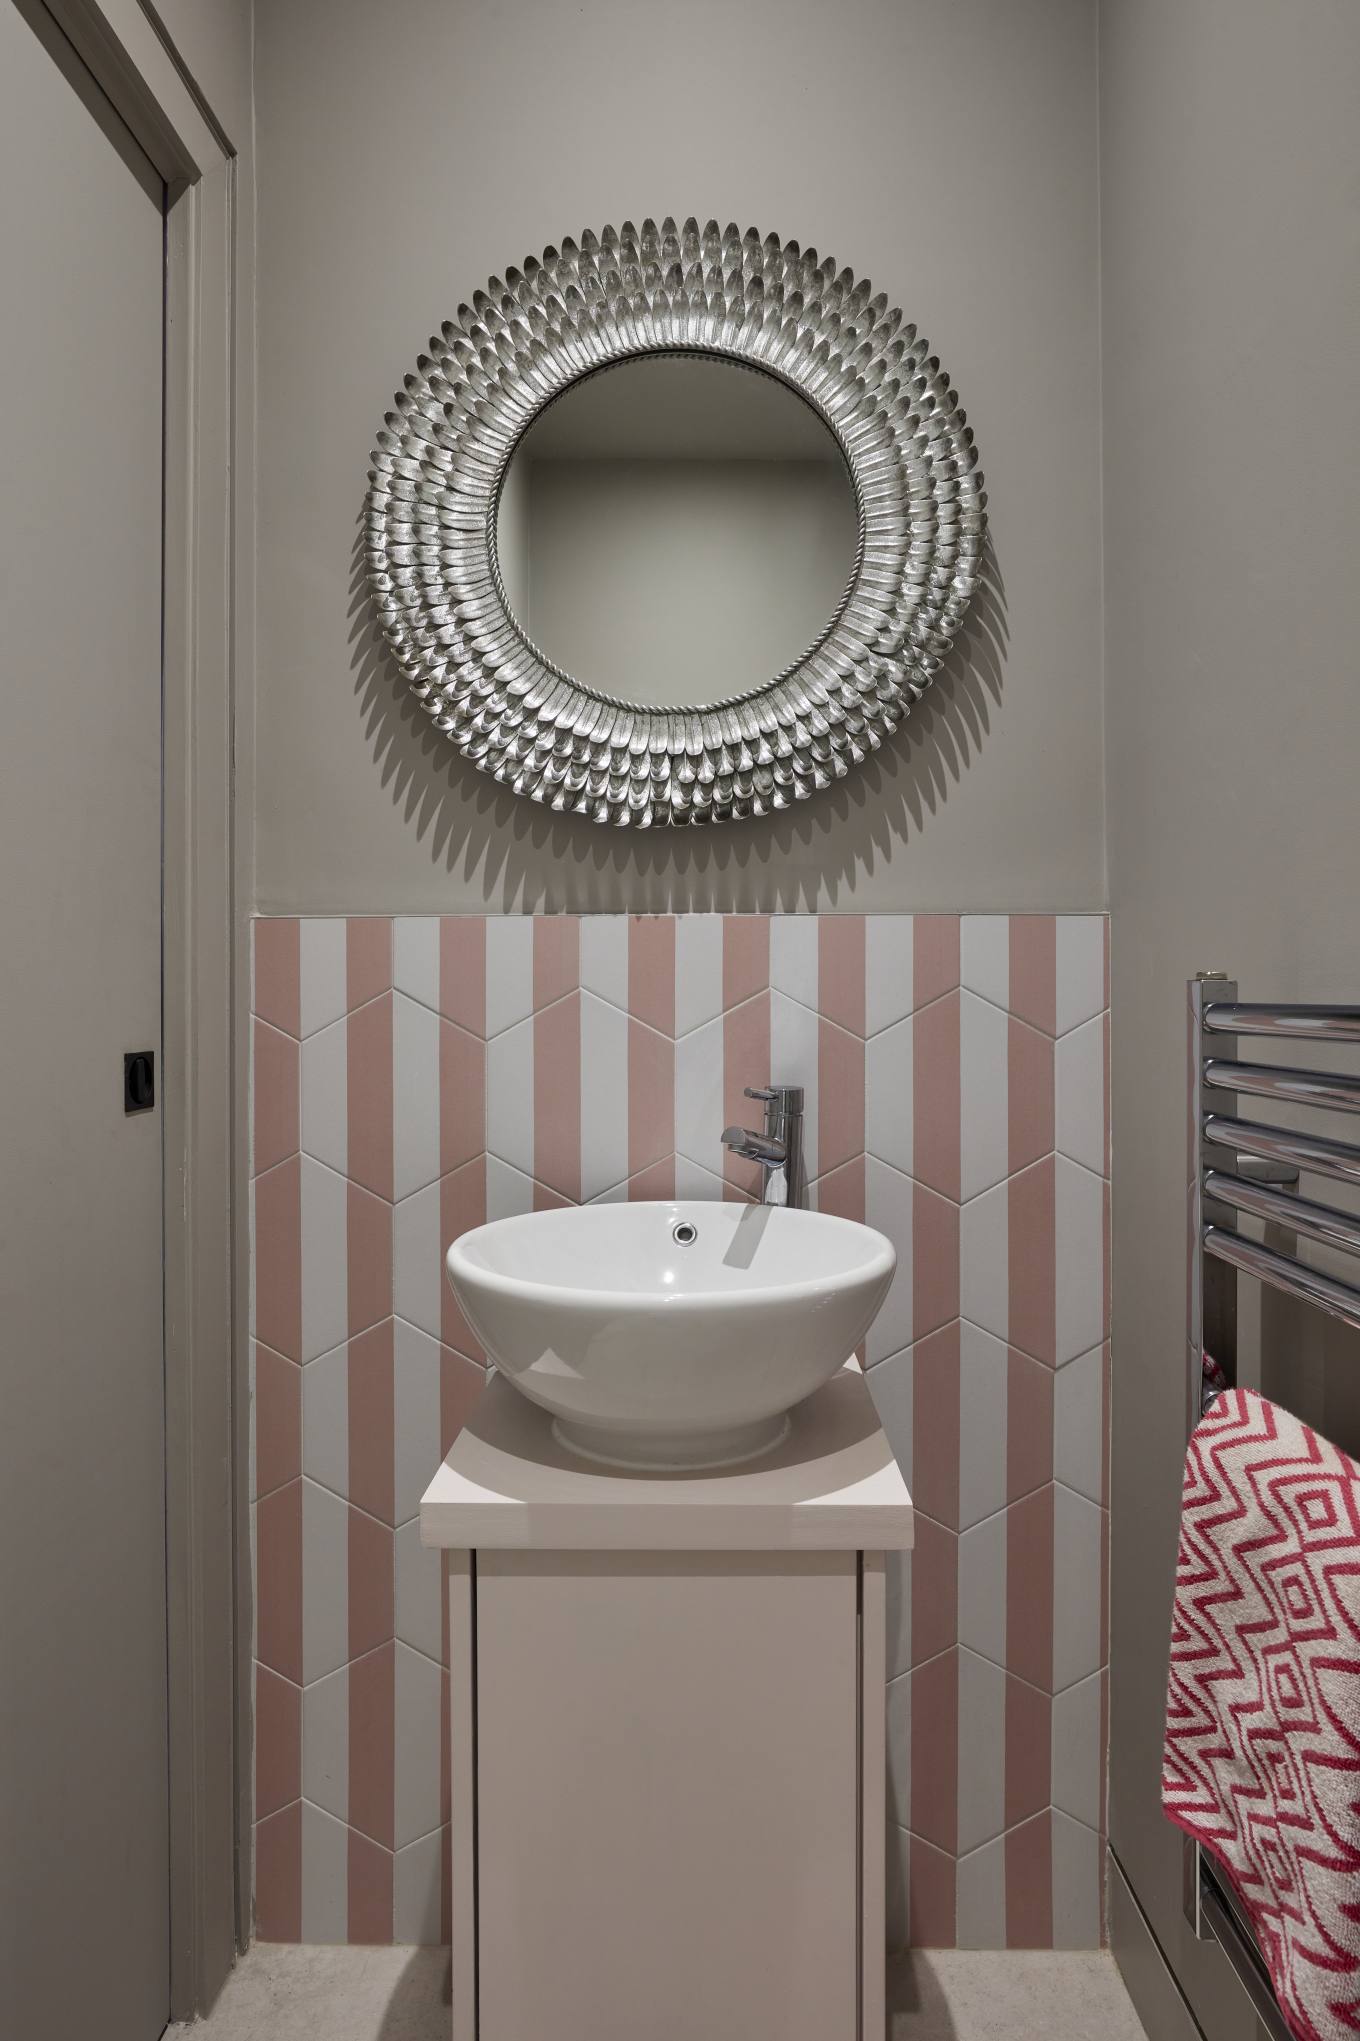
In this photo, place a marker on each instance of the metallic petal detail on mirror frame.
(435, 480)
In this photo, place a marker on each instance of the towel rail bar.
(1283, 1208)
(1305, 1151)
(1312, 1023)
(1334, 1088)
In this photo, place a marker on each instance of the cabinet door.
(667, 1796)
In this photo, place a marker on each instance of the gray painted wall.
(1230, 181)
(948, 147)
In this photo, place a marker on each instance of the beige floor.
(284, 1994)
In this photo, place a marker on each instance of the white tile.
(420, 1591)
(416, 1782)
(418, 1260)
(793, 958)
(1079, 1424)
(415, 957)
(510, 1096)
(888, 1206)
(1076, 1751)
(325, 1877)
(984, 1264)
(604, 1096)
(794, 1031)
(322, 972)
(982, 1588)
(325, 1743)
(417, 1886)
(325, 1259)
(698, 970)
(508, 1191)
(1076, 1884)
(415, 1096)
(699, 1095)
(1076, 1587)
(984, 1093)
(604, 957)
(985, 956)
(892, 1386)
(1079, 1220)
(897, 1569)
(325, 1582)
(983, 1390)
(325, 1420)
(982, 1751)
(325, 1096)
(1079, 1094)
(980, 1899)
(1080, 947)
(888, 1094)
(415, 1395)
(509, 970)
(888, 970)
(692, 1180)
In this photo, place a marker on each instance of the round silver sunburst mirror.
(637, 586)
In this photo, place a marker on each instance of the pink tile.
(935, 1426)
(935, 1096)
(745, 957)
(840, 970)
(370, 1891)
(651, 970)
(1034, 970)
(278, 975)
(931, 1900)
(371, 1421)
(462, 1205)
(369, 1243)
(278, 1581)
(278, 1258)
(934, 1261)
(372, 1744)
(651, 1097)
(368, 958)
(461, 1383)
(935, 1751)
(1029, 1588)
(368, 1095)
(746, 1060)
(274, 1083)
(1029, 1751)
(842, 1192)
(934, 1589)
(557, 957)
(1029, 1095)
(1032, 1250)
(1029, 1425)
(840, 1096)
(557, 1097)
(656, 1182)
(462, 971)
(372, 1582)
(935, 956)
(278, 1420)
(445, 1791)
(1029, 1885)
(278, 1876)
(462, 1097)
(278, 1742)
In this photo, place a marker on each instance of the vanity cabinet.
(667, 1733)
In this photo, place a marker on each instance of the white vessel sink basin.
(674, 1334)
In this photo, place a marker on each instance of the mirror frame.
(434, 490)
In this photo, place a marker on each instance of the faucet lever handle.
(764, 1092)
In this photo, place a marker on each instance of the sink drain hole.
(683, 1233)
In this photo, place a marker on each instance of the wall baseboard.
(1148, 1979)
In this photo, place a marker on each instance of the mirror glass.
(676, 530)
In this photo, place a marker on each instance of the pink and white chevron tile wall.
(413, 1077)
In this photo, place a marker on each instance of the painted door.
(84, 1901)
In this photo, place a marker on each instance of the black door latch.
(139, 1080)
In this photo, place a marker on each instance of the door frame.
(208, 636)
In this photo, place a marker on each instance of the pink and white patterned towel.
(1262, 1756)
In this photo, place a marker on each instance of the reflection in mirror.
(676, 530)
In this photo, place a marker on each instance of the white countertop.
(832, 1485)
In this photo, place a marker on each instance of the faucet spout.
(778, 1148)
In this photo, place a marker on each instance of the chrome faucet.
(779, 1147)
